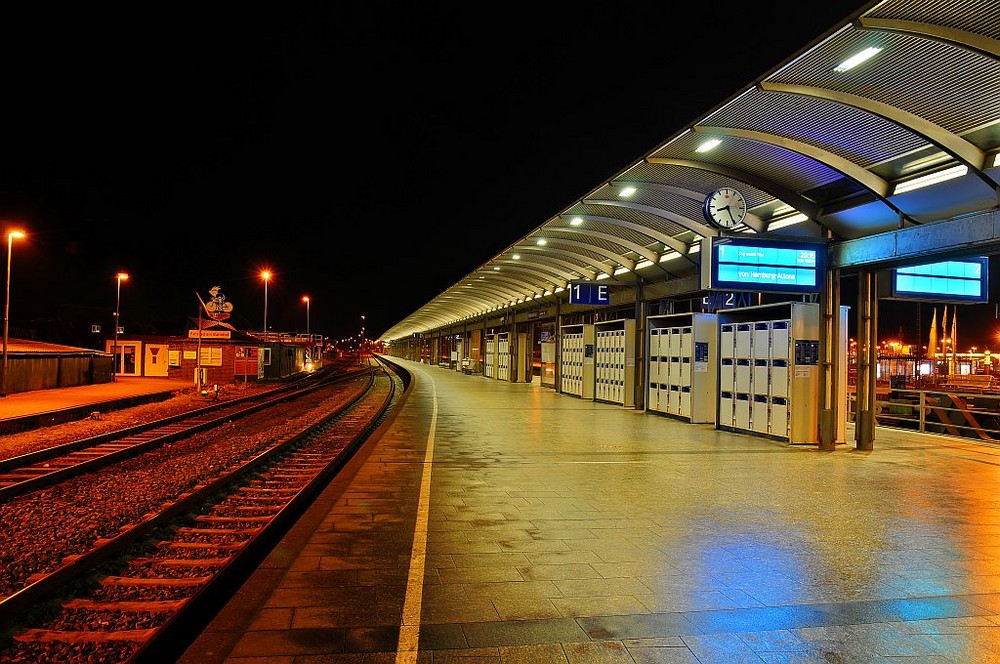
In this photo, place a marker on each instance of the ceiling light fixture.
(932, 178)
(708, 145)
(857, 59)
(576, 221)
(541, 242)
(626, 192)
(787, 221)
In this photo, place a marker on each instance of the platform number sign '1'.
(593, 294)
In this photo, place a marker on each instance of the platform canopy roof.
(887, 121)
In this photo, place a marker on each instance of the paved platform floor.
(502, 522)
(36, 402)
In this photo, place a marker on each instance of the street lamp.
(305, 298)
(361, 353)
(6, 312)
(120, 277)
(266, 276)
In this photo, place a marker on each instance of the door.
(155, 360)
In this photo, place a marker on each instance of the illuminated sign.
(762, 265)
(209, 334)
(959, 280)
(588, 293)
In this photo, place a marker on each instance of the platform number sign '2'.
(593, 294)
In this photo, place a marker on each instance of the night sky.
(371, 155)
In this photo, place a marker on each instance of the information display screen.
(959, 280)
(762, 265)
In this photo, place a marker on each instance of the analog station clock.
(725, 207)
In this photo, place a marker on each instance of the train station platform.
(498, 522)
(22, 411)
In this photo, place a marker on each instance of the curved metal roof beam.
(462, 304)
(690, 224)
(663, 238)
(955, 145)
(502, 291)
(752, 220)
(782, 193)
(510, 280)
(570, 271)
(645, 252)
(610, 255)
(878, 186)
(962, 38)
(554, 280)
(599, 267)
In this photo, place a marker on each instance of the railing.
(951, 413)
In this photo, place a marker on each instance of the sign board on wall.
(210, 334)
(589, 293)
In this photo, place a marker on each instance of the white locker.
(674, 346)
(741, 411)
(761, 376)
(726, 409)
(762, 339)
(491, 356)
(779, 378)
(743, 340)
(685, 347)
(727, 341)
(779, 417)
(727, 375)
(743, 375)
(784, 368)
(759, 413)
(684, 409)
(615, 362)
(503, 356)
(780, 339)
(685, 366)
(576, 366)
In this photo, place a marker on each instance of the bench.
(970, 383)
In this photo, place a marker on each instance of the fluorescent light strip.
(787, 221)
(670, 256)
(857, 59)
(643, 264)
(603, 275)
(933, 178)
(626, 192)
(694, 248)
(708, 145)
(996, 160)
(622, 270)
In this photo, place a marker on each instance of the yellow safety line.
(409, 628)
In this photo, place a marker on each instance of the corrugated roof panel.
(952, 87)
(660, 224)
(821, 123)
(553, 236)
(984, 21)
(785, 167)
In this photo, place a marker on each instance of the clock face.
(725, 207)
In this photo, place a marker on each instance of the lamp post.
(6, 312)
(361, 353)
(305, 298)
(120, 277)
(266, 276)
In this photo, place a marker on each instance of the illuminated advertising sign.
(959, 280)
(770, 266)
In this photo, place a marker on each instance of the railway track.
(142, 595)
(36, 470)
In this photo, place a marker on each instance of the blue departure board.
(959, 280)
(767, 266)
